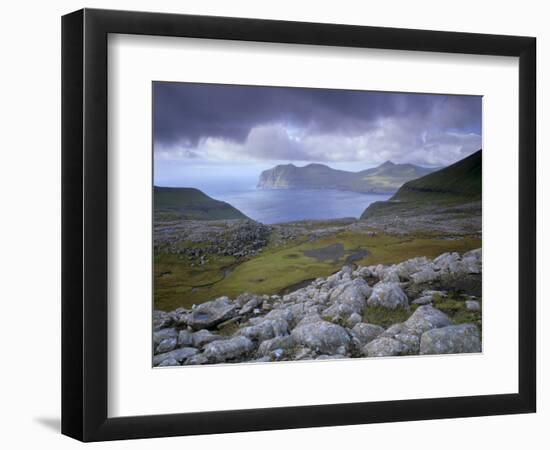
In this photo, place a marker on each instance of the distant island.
(384, 179)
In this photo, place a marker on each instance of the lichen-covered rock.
(203, 337)
(165, 333)
(463, 338)
(180, 355)
(445, 260)
(388, 295)
(281, 342)
(426, 275)
(385, 346)
(410, 266)
(473, 305)
(389, 275)
(352, 294)
(365, 333)
(197, 359)
(228, 349)
(353, 320)
(185, 339)
(322, 337)
(425, 318)
(167, 345)
(210, 314)
(424, 300)
(169, 362)
(253, 302)
(267, 329)
(283, 313)
(411, 341)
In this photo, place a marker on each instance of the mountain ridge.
(383, 179)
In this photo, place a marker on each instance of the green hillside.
(191, 204)
(459, 180)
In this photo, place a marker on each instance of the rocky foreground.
(325, 320)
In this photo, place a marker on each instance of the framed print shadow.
(272, 224)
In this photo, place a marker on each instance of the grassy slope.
(455, 184)
(191, 203)
(279, 267)
(461, 180)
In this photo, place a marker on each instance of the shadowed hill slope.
(192, 204)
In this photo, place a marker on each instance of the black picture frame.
(84, 224)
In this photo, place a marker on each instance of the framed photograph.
(273, 224)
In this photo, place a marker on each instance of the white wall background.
(30, 225)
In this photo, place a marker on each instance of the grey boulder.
(385, 346)
(463, 338)
(180, 355)
(224, 350)
(210, 314)
(366, 332)
(267, 329)
(167, 345)
(322, 337)
(473, 305)
(388, 295)
(426, 318)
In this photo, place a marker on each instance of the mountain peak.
(388, 163)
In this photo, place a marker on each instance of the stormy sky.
(200, 128)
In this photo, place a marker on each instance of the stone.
(425, 318)
(169, 362)
(389, 275)
(424, 300)
(385, 346)
(283, 313)
(185, 339)
(252, 304)
(464, 338)
(443, 261)
(277, 354)
(473, 305)
(161, 320)
(471, 261)
(210, 314)
(196, 360)
(303, 353)
(228, 349)
(411, 341)
(329, 357)
(363, 272)
(426, 275)
(280, 342)
(432, 293)
(204, 337)
(167, 345)
(243, 299)
(352, 293)
(165, 333)
(366, 332)
(322, 337)
(179, 355)
(353, 320)
(267, 329)
(388, 295)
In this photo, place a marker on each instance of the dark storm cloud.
(188, 112)
(312, 124)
